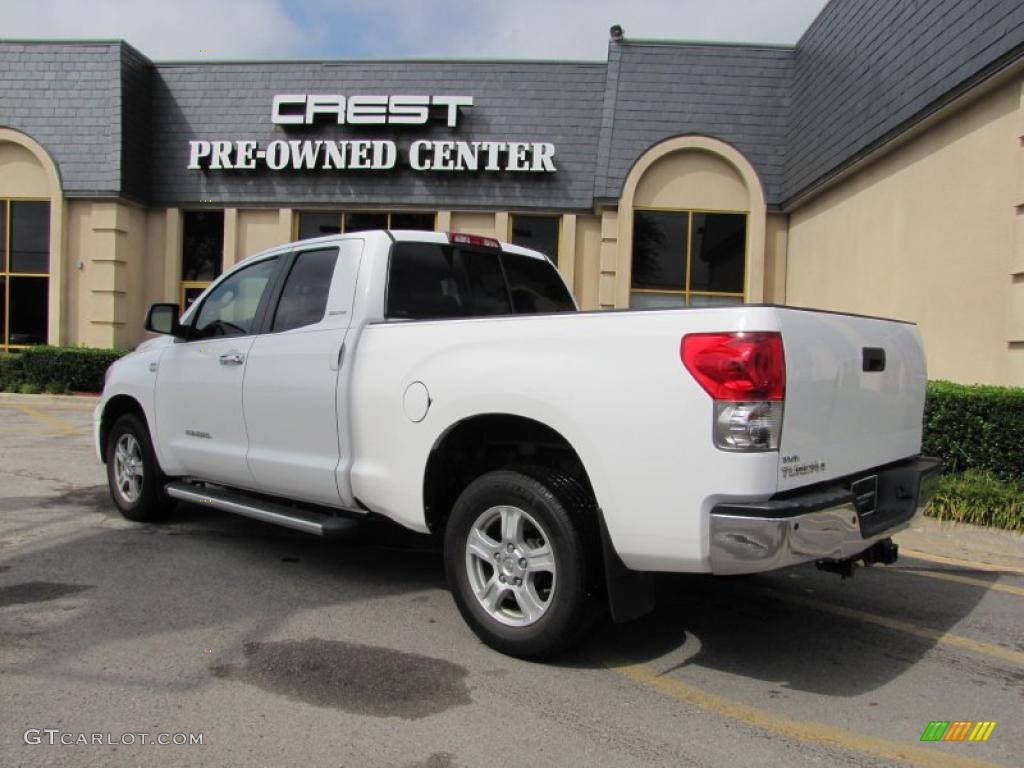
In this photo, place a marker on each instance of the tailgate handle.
(874, 359)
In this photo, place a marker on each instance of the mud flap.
(630, 593)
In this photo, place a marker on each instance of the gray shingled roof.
(863, 72)
(68, 98)
(739, 94)
(866, 69)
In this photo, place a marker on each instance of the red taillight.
(737, 366)
(476, 241)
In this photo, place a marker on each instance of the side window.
(535, 285)
(304, 297)
(230, 309)
(430, 280)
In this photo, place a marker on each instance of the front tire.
(133, 475)
(520, 560)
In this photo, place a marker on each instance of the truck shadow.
(797, 629)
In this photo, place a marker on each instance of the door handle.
(232, 358)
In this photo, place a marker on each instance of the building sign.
(370, 154)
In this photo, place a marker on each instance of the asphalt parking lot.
(278, 649)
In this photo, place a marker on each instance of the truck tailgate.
(854, 395)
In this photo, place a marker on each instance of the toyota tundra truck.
(450, 384)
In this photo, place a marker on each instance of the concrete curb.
(991, 547)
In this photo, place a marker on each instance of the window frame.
(686, 293)
(297, 229)
(6, 274)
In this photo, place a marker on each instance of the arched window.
(691, 227)
(28, 189)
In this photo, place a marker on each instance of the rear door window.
(304, 297)
(431, 280)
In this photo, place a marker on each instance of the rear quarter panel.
(611, 383)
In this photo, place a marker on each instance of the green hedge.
(979, 498)
(12, 374)
(56, 369)
(976, 428)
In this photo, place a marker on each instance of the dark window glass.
(428, 280)
(30, 236)
(537, 232)
(535, 285)
(361, 222)
(3, 309)
(716, 261)
(319, 223)
(202, 249)
(230, 309)
(28, 309)
(304, 298)
(659, 249)
(419, 221)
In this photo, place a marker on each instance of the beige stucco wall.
(21, 175)
(1015, 312)
(926, 233)
(692, 179)
(776, 246)
(106, 265)
(259, 229)
(476, 223)
(587, 274)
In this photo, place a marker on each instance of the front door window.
(230, 308)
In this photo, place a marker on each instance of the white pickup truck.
(448, 383)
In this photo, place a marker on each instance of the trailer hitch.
(884, 552)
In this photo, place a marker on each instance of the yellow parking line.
(59, 424)
(927, 633)
(917, 555)
(798, 730)
(955, 577)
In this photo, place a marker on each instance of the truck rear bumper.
(834, 521)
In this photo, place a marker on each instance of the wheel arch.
(116, 407)
(483, 442)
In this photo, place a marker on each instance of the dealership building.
(875, 167)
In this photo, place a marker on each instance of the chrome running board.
(237, 503)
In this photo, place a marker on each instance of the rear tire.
(133, 475)
(521, 561)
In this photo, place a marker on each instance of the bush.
(976, 428)
(56, 369)
(979, 498)
(12, 374)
